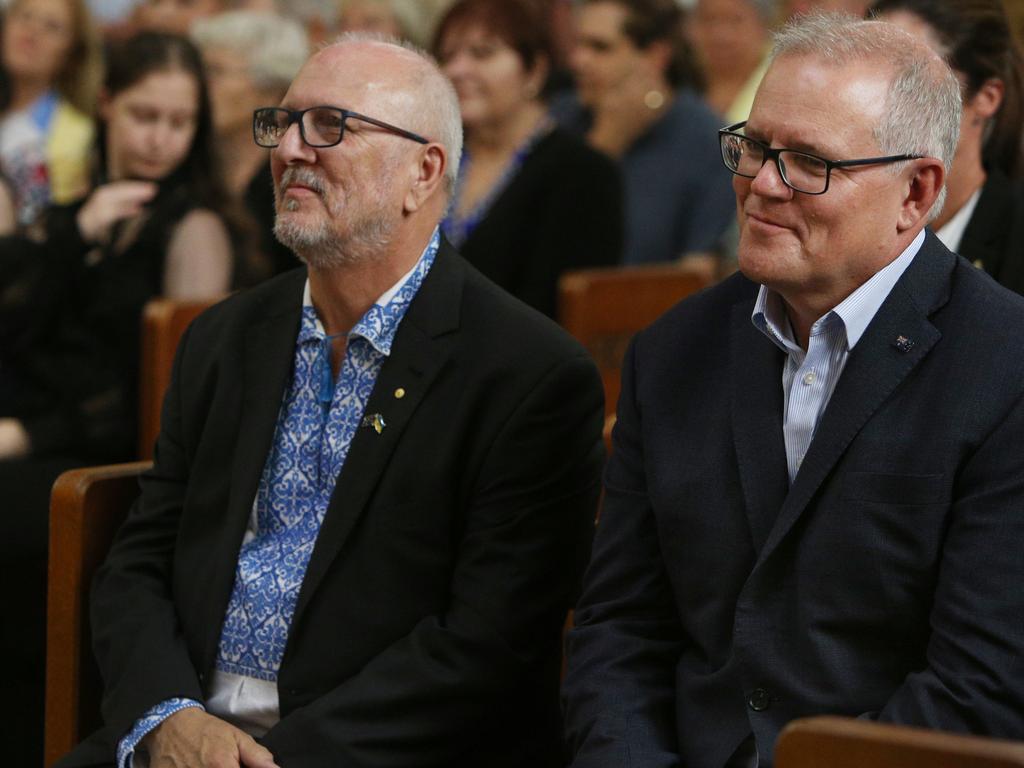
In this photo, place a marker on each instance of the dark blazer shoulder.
(501, 326)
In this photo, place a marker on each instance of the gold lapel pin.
(399, 393)
(374, 420)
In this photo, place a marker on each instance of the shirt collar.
(855, 312)
(380, 323)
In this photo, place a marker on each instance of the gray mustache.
(303, 176)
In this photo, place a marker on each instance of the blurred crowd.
(128, 172)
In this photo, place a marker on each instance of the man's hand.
(111, 203)
(192, 738)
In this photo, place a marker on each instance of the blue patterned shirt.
(315, 427)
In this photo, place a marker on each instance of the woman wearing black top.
(70, 310)
(531, 200)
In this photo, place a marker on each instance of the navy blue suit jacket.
(886, 582)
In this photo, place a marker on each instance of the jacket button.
(759, 700)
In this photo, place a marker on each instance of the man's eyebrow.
(797, 145)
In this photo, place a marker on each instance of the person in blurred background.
(250, 60)
(8, 213)
(983, 217)
(636, 101)
(50, 59)
(404, 19)
(69, 350)
(531, 200)
(175, 16)
(731, 39)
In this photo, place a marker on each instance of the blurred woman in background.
(983, 216)
(251, 59)
(50, 59)
(731, 40)
(150, 227)
(531, 200)
(404, 19)
(68, 377)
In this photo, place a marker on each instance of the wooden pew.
(843, 742)
(86, 508)
(163, 323)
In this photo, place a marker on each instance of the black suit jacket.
(994, 237)
(885, 582)
(427, 629)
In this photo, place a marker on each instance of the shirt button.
(809, 377)
(759, 700)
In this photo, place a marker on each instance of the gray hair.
(923, 106)
(438, 117)
(274, 47)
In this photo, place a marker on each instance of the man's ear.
(922, 190)
(433, 162)
(988, 98)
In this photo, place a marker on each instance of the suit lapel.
(268, 352)
(422, 347)
(756, 376)
(878, 364)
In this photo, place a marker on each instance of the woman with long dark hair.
(983, 217)
(150, 227)
(70, 312)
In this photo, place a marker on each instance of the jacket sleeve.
(519, 562)
(619, 695)
(972, 678)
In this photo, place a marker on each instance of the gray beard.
(321, 249)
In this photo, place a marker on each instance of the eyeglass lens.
(804, 173)
(321, 126)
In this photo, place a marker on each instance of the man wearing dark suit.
(375, 480)
(815, 498)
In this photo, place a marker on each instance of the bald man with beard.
(375, 481)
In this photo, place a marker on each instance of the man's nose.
(768, 181)
(292, 149)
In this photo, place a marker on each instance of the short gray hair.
(922, 115)
(275, 47)
(439, 116)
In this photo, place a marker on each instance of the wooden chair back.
(843, 742)
(86, 507)
(604, 307)
(163, 323)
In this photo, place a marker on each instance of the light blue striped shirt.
(810, 377)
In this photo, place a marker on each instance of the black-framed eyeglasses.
(800, 171)
(320, 127)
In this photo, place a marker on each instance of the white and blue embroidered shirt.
(809, 378)
(315, 427)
